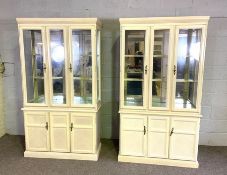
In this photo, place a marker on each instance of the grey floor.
(213, 161)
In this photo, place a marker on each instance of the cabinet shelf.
(185, 81)
(39, 78)
(133, 79)
(139, 56)
(82, 78)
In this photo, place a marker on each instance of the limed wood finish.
(69, 130)
(165, 135)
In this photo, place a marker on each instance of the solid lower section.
(167, 162)
(58, 155)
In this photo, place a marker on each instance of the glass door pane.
(34, 66)
(188, 56)
(160, 68)
(57, 54)
(134, 67)
(82, 66)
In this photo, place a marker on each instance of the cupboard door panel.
(133, 138)
(158, 144)
(83, 140)
(60, 136)
(82, 133)
(183, 147)
(184, 139)
(37, 131)
(158, 136)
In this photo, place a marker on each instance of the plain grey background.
(214, 104)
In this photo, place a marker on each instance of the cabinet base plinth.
(58, 155)
(156, 161)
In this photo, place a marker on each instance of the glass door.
(58, 62)
(134, 68)
(161, 44)
(186, 70)
(81, 66)
(34, 66)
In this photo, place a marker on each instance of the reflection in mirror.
(82, 66)
(57, 53)
(134, 67)
(189, 44)
(160, 68)
(33, 53)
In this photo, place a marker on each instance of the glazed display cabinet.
(60, 63)
(161, 77)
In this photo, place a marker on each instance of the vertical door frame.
(122, 64)
(169, 71)
(21, 28)
(92, 28)
(203, 27)
(66, 82)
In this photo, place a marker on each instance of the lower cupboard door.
(82, 140)
(60, 131)
(132, 143)
(183, 147)
(37, 131)
(158, 144)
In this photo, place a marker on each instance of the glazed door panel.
(34, 66)
(82, 133)
(184, 139)
(188, 68)
(133, 139)
(135, 49)
(60, 131)
(160, 64)
(57, 53)
(81, 66)
(158, 137)
(37, 131)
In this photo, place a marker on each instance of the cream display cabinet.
(161, 77)
(60, 62)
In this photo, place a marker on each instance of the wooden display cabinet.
(161, 77)
(60, 63)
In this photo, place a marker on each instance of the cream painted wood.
(122, 62)
(37, 131)
(158, 136)
(48, 126)
(171, 134)
(184, 140)
(22, 59)
(60, 131)
(72, 156)
(82, 134)
(169, 70)
(133, 139)
(66, 64)
(201, 66)
(158, 161)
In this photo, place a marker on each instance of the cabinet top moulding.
(166, 20)
(94, 21)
